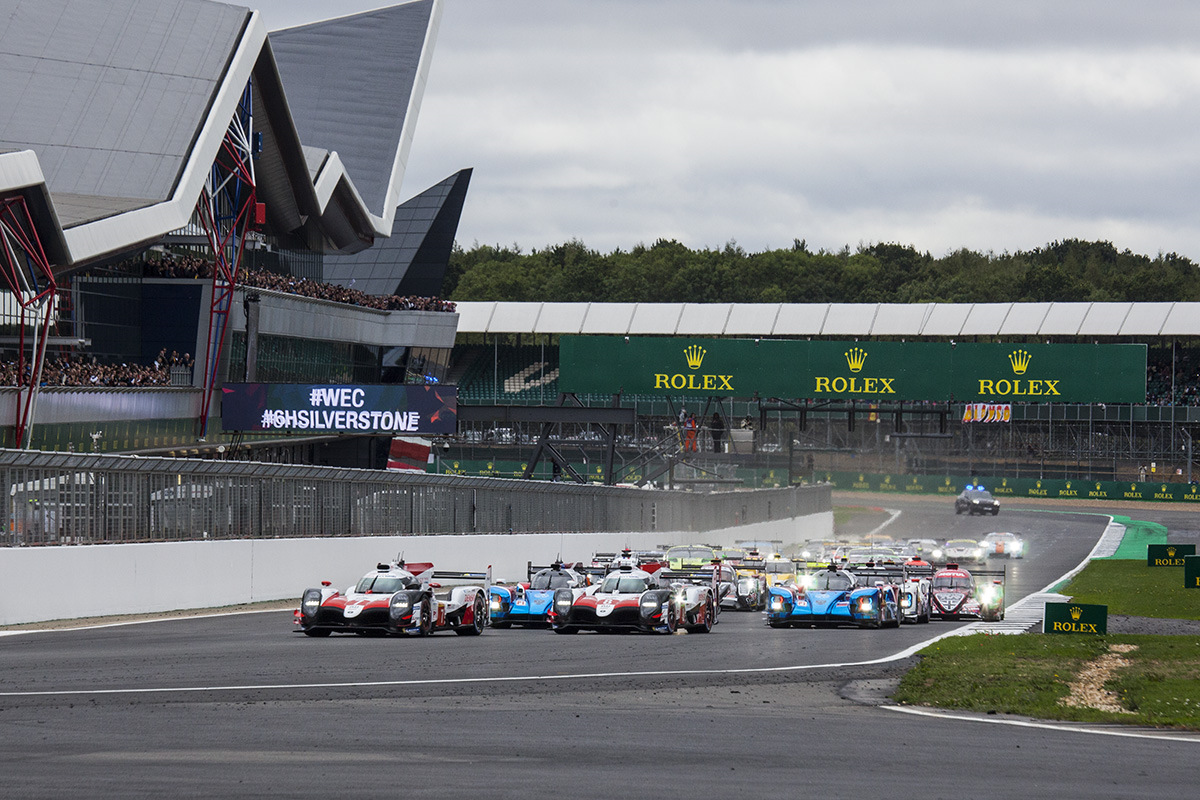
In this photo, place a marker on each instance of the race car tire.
(672, 619)
(995, 511)
(425, 626)
(479, 621)
(317, 632)
(957, 510)
(706, 625)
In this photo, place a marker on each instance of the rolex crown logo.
(1019, 360)
(1171, 552)
(694, 355)
(856, 357)
(1076, 613)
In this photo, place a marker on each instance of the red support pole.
(18, 237)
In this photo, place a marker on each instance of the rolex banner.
(986, 373)
(1168, 555)
(1075, 618)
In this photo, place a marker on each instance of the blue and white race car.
(529, 603)
(834, 597)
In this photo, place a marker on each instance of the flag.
(408, 453)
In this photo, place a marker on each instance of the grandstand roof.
(833, 319)
(115, 111)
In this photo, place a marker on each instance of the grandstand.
(268, 158)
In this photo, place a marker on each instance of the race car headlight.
(906, 601)
(650, 603)
(806, 555)
(1014, 547)
(400, 606)
(563, 600)
(978, 552)
(745, 586)
(865, 605)
(776, 603)
(310, 602)
(495, 603)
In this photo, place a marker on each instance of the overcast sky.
(992, 126)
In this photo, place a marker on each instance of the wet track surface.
(241, 706)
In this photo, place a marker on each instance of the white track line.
(1050, 726)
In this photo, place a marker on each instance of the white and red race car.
(636, 599)
(398, 598)
(959, 594)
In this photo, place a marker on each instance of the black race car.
(976, 500)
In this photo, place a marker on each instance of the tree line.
(667, 271)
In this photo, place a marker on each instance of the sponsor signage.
(952, 485)
(1191, 572)
(1075, 618)
(340, 408)
(1168, 555)
(993, 375)
(987, 412)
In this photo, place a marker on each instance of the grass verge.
(1131, 588)
(1029, 674)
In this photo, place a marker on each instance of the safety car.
(835, 596)
(962, 594)
(398, 598)
(976, 500)
(528, 602)
(634, 599)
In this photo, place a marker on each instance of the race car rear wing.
(701, 576)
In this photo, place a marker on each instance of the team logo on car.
(353, 610)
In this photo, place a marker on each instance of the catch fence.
(72, 498)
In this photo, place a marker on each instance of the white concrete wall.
(65, 582)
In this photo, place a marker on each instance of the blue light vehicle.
(833, 597)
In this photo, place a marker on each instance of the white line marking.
(1050, 726)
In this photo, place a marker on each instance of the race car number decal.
(353, 609)
(604, 608)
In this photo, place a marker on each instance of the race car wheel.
(478, 619)
(995, 511)
(425, 628)
(706, 624)
(672, 618)
(957, 510)
(317, 632)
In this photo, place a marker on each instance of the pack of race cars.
(665, 592)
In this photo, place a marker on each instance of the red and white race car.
(958, 594)
(399, 598)
(634, 599)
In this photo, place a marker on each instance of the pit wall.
(1078, 489)
(43, 583)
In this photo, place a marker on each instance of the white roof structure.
(839, 320)
(115, 110)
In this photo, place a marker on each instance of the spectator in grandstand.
(78, 370)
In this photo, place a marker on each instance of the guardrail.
(72, 498)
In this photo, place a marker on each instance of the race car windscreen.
(551, 579)
(951, 582)
(386, 584)
(779, 567)
(689, 552)
(832, 581)
(625, 584)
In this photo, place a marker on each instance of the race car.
(927, 549)
(529, 603)
(959, 594)
(834, 596)
(779, 570)
(633, 599)
(690, 555)
(751, 592)
(976, 500)
(1008, 545)
(398, 598)
(960, 550)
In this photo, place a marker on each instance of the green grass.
(1029, 674)
(1131, 588)
(1138, 534)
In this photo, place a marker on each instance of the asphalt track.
(239, 706)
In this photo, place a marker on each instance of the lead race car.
(638, 599)
(960, 594)
(529, 603)
(398, 598)
(835, 596)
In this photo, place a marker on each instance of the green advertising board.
(1191, 572)
(1075, 618)
(951, 485)
(870, 371)
(1168, 555)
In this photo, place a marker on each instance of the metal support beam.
(226, 211)
(26, 272)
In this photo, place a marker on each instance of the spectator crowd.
(78, 370)
(194, 267)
